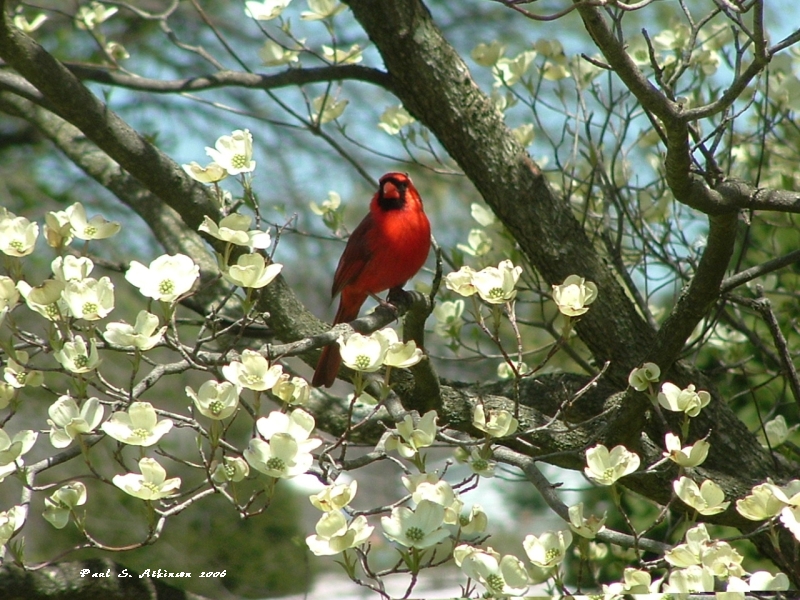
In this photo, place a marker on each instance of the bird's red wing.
(356, 255)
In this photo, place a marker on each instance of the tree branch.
(289, 77)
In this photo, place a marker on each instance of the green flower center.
(252, 379)
(415, 534)
(362, 362)
(496, 292)
(89, 308)
(151, 486)
(552, 554)
(239, 161)
(51, 310)
(608, 474)
(495, 582)
(140, 432)
(81, 361)
(229, 470)
(90, 231)
(21, 377)
(166, 287)
(215, 407)
(480, 464)
(276, 464)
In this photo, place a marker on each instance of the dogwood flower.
(689, 456)
(235, 229)
(75, 357)
(461, 281)
(500, 423)
(234, 152)
(762, 503)
(71, 268)
(777, 432)
(96, 228)
(265, 10)
(67, 421)
(89, 298)
(687, 401)
(9, 296)
(766, 581)
(363, 353)
(10, 522)
(505, 370)
(693, 579)
(509, 71)
(409, 439)
(474, 522)
(211, 173)
(253, 372)
(496, 285)
(479, 461)
(57, 229)
(18, 376)
(502, 576)
(13, 449)
(587, 527)
(139, 426)
(399, 354)
(723, 560)
(478, 243)
(707, 499)
(697, 541)
(604, 467)
(328, 206)
(252, 271)
(166, 279)
(287, 452)
(7, 392)
(298, 424)
(45, 299)
(643, 377)
(633, 581)
(294, 390)
(60, 505)
(419, 528)
(215, 400)
(343, 56)
(152, 484)
(482, 215)
(394, 119)
(273, 54)
(448, 318)
(549, 549)
(790, 517)
(230, 468)
(335, 534)
(334, 497)
(440, 492)
(142, 336)
(574, 296)
(322, 9)
(17, 235)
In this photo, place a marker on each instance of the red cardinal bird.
(386, 249)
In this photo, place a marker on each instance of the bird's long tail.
(331, 359)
